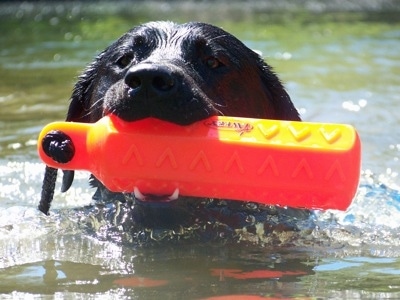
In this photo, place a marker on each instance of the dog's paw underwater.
(180, 74)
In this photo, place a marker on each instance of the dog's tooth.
(138, 194)
(174, 195)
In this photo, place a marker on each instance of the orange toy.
(297, 164)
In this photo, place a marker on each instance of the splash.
(370, 224)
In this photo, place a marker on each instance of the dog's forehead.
(165, 40)
(169, 34)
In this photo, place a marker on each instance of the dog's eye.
(124, 60)
(212, 62)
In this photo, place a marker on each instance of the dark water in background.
(338, 67)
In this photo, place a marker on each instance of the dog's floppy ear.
(80, 105)
(284, 108)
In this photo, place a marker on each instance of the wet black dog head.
(178, 73)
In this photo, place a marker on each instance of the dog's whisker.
(220, 105)
(93, 107)
(95, 104)
(211, 107)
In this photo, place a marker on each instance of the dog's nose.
(151, 81)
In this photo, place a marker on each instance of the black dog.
(178, 73)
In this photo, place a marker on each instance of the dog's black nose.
(151, 81)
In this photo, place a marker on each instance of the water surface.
(337, 67)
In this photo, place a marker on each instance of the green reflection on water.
(44, 54)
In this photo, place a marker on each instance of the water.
(338, 67)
